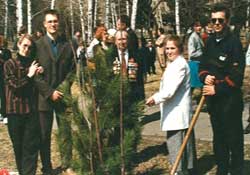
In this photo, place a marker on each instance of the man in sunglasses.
(222, 71)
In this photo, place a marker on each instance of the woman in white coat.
(174, 98)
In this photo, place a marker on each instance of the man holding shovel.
(222, 71)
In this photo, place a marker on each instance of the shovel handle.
(189, 131)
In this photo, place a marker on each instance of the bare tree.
(6, 18)
(82, 19)
(29, 16)
(90, 19)
(127, 8)
(114, 15)
(52, 6)
(248, 9)
(133, 15)
(72, 17)
(95, 13)
(19, 14)
(177, 17)
(107, 13)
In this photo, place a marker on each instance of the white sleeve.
(171, 82)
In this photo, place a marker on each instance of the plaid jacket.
(19, 90)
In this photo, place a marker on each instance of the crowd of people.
(30, 96)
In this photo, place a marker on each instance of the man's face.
(51, 23)
(121, 40)
(120, 25)
(219, 21)
(150, 44)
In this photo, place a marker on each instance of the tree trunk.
(6, 19)
(95, 13)
(177, 18)
(133, 15)
(19, 14)
(29, 16)
(127, 8)
(114, 15)
(248, 9)
(90, 20)
(72, 17)
(52, 6)
(107, 14)
(82, 21)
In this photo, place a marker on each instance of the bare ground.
(152, 152)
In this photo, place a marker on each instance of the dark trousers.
(24, 134)
(46, 121)
(2, 98)
(150, 68)
(64, 139)
(228, 141)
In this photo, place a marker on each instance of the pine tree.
(105, 104)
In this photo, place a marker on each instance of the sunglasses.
(220, 20)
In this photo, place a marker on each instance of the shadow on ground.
(150, 118)
(150, 152)
(205, 164)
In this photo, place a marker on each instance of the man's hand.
(150, 101)
(209, 80)
(56, 95)
(208, 90)
(39, 70)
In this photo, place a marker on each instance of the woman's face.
(171, 50)
(24, 47)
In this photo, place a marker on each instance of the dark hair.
(219, 7)
(125, 19)
(22, 30)
(196, 23)
(177, 41)
(161, 30)
(51, 12)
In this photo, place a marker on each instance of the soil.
(152, 153)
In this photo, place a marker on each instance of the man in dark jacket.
(54, 54)
(222, 71)
(123, 23)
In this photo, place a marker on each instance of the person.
(247, 36)
(137, 85)
(38, 34)
(101, 49)
(151, 58)
(123, 23)
(195, 51)
(222, 71)
(208, 30)
(21, 108)
(143, 54)
(22, 30)
(89, 50)
(56, 57)
(160, 49)
(247, 128)
(5, 54)
(174, 98)
(76, 39)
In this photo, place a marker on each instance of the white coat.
(174, 96)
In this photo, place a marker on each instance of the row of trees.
(84, 15)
